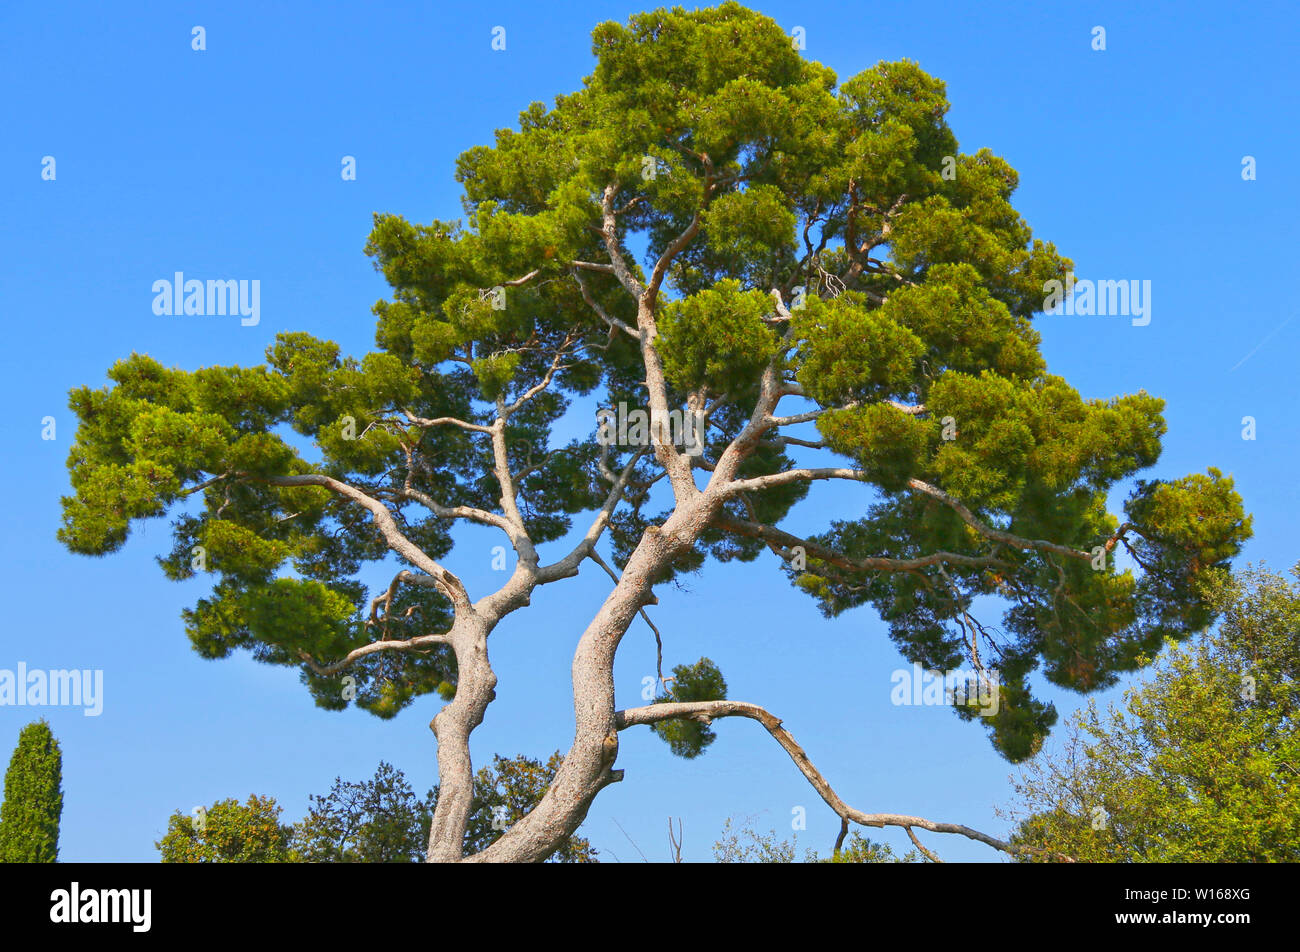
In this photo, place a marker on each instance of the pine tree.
(33, 803)
(715, 226)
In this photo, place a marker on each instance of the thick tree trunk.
(587, 769)
(475, 689)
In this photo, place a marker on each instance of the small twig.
(675, 842)
(629, 839)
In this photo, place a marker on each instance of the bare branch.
(445, 421)
(771, 389)
(905, 408)
(203, 485)
(524, 280)
(593, 266)
(568, 566)
(783, 543)
(995, 535)
(666, 259)
(839, 840)
(777, 422)
(405, 644)
(675, 842)
(917, 843)
(449, 584)
(613, 322)
(706, 711)
(795, 441)
(501, 469)
(659, 641)
(450, 512)
(792, 476)
(545, 382)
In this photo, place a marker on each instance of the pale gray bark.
(589, 765)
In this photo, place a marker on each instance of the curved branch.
(471, 513)
(995, 535)
(445, 421)
(706, 711)
(672, 251)
(567, 567)
(449, 584)
(917, 843)
(609, 232)
(517, 282)
(776, 538)
(404, 644)
(659, 641)
(613, 322)
(546, 378)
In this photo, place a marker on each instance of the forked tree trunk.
(587, 769)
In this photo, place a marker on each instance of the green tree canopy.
(227, 832)
(712, 224)
(33, 801)
(380, 820)
(1201, 764)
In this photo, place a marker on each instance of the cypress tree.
(33, 803)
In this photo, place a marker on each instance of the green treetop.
(227, 832)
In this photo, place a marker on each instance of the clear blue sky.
(226, 163)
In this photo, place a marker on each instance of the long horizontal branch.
(794, 390)
(706, 711)
(792, 476)
(995, 535)
(446, 421)
(404, 644)
(470, 513)
(783, 543)
(593, 266)
(794, 418)
(989, 532)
